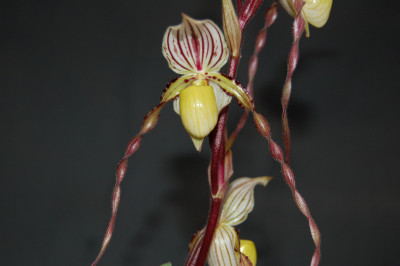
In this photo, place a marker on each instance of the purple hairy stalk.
(149, 122)
(297, 31)
(276, 152)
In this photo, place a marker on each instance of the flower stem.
(200, 255)
(217, 180)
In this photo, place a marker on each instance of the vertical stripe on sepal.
(195, 46)
(224, 250)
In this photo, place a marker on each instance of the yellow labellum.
(248, 248)
(198, 110)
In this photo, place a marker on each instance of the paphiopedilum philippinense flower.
(197, 50)
(315, 12)
(227, 248)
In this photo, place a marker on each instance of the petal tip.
(197, 143)
(263, 180)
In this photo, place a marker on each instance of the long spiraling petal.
(240, 199)
(149, 122)
(233, 88)
(298, 28)
(195, 46)
(263, 128)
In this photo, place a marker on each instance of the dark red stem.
(200, 256)
(217, 143)
(233, 66)
(217, 180)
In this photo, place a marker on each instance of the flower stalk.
(217, 183)
(217, 137)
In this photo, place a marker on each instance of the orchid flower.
(197, 50)
(227, 248)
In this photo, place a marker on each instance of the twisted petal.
(232, 87)
(224, 250)
(195, 46)
(240, 199)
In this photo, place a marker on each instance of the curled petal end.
(240, 199)
(198, 143)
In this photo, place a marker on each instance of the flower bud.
(198, 110)
(315, 12)
(248, 248)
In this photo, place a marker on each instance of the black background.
(77, 77)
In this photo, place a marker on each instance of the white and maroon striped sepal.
(195, 46)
